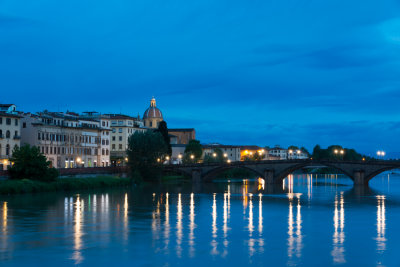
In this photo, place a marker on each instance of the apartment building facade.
(68, 140)
(10, 133)
(122, 126)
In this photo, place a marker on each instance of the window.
(120, 130)
(113, 130)
(8, 121)
(16, 122)
(120, 146)
(7, 150)
(113, 147)
(151, 124)
(107, 152)
(1, 120)
(113, 138)
(103, 152)
(8, 134)
(120, 138)
(24, 125)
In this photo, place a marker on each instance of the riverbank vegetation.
(61, 184)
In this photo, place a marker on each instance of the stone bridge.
(274, 171)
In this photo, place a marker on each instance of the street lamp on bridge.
(381, 153)
(339, 152)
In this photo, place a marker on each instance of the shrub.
(29, 163)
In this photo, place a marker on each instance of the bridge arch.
(210, 175)
(373, 174)
(284, 173)
(177, 171)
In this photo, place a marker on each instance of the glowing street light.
(229, 161)
(342, 152)
(214, 155)
(336, 151)
(298, 151)
(381, 153)
(180, 156)
(225, 155)
(192, 156)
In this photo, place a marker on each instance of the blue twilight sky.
(259, 72)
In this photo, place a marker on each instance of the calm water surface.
(309, 221)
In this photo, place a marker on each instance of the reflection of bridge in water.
(274, 172)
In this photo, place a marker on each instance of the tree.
(29, 163)
(216, 156)
(253, 157)
(163, 130)
(305, 150)
(336, 152)
(193, 148)
(146, 153)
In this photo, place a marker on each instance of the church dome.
(152, 111)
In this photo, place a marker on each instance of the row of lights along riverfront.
(340, 152)
(167, 158)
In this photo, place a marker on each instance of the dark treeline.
(337, 152)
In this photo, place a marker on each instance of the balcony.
(17, 137)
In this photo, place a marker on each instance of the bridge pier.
(269, 176)
(359, 177)
(196, 175)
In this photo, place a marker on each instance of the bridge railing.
(238, 163)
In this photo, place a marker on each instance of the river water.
(311, 220)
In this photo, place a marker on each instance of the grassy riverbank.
(61, 184)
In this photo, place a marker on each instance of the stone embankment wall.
(84, 172)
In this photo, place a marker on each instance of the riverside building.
(122, 126)
(10, 133)
(229, 152)
(278, 153)
(69, 140)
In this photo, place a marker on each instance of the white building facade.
(10, 133)
(122, 126)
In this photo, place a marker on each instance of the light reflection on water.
(338, 235)
(241, 223)
(381, 224)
